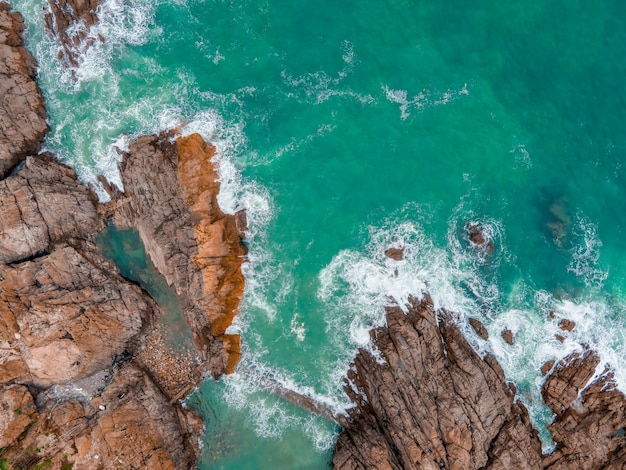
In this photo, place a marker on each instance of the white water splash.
(422, 100)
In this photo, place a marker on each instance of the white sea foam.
(320, 86)
(357, 286)
(247, 390)
(421, 100)
(586, 254)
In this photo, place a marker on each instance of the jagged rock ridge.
(22, 112)
(435, 403)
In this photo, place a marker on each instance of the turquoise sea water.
(347, 127)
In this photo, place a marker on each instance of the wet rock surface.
(507, 336)
(70, 21)
(479, 237)
(590, 415)
(396, 254)
(170, 198)
(22, 111)
(435, 403)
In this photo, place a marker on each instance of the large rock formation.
(22, 112)
(434, 403)
(67, 316)
(170, 197)
(70, 21)
(86, 379)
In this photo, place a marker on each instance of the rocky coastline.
(435, 403)
(87, 379)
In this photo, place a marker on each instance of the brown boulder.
(22, 112)
(478, 238)
(479, 328)
(507, 336)
(567, 325)
(396, 254)
(41, 204)
(17, 412)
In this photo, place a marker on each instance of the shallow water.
(344, 129)
(124, 247)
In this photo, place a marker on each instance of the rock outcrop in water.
(170, 197)
(85, 377)
(434, 403)
(70, 21)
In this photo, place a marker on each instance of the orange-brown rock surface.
(170, 197)
(22, 112)
(130, 425)
(67, 315)
(86, 379)
(17, 412)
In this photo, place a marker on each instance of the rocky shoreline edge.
(88, 381)
(434, 403)
(87, 378)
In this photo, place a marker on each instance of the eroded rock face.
(69, 315)
(22, 112)
(79, 344)
(17, 412)
(170, 197)
(71, 21)
(42, 204)
(434, 404)
(590, 417)
(131, 425)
